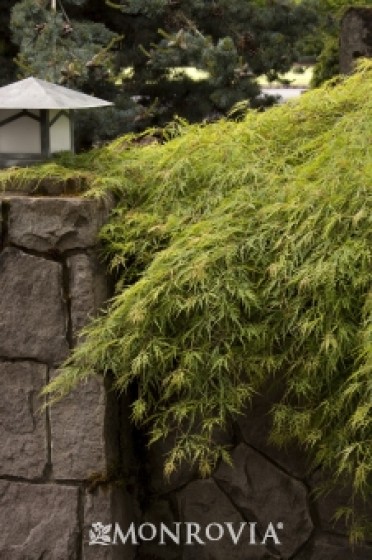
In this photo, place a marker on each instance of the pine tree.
(140, 48)
(7, 48)
(57, 49)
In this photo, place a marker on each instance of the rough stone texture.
(265, 493)
(157, 455)
(159, 511)
(128, 441)
(355, 37)
(32, 310)
(255, 426)
(38, 522)
(326, 506)
(327, 502)
(86, 441)
(88, 289)
(108, 504)
(329, 547)
(203, 502)
(23, 430)
(1, 226)
(155, 465)
(42, 308)
(55, 224)
(81, 431)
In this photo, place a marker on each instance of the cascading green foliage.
(243, 253)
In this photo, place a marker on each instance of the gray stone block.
(156, 458)
(108, 504)
(32, 310)
(265, 493)
(158, 453)
(255, 426)
(88, 289)
(55, 224)
(156, 513)
(23, 431)
(329, 547)
(38, 521)
(328, 500)
(84, 433)
(1, 226)
(204, 503)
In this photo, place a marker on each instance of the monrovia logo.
(191, 533)
(99, 534)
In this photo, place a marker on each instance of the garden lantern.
(37, 120)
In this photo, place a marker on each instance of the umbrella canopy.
(33, 93)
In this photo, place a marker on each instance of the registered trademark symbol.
(279, 525)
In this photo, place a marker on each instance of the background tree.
(135, 51)
(53, 47)
(7, 49)
(324, 44)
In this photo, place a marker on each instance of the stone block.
(156, 513)
(88, 289)
(202, 502)
(329, 547)
(23, 430)
(156, 458)
(108, 504)
(1, 227)
(55, 224)
(32, 309)
(265, 493)
(38, 522)
(255, 425)
(84, 432)
(158, 453)
(327, 500)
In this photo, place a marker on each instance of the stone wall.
(78, 463)
(57, 466)
(265, 484)
(355, 37)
